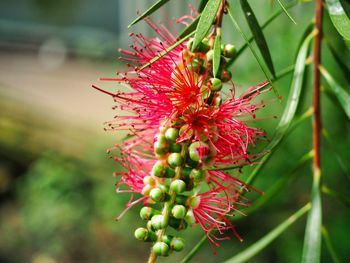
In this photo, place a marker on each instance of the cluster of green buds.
(183, 155)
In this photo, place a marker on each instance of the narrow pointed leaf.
(194, 251)
(341, 94)
(251, 251)
(339, 18)
(217, 54)
(342, 65)
(235, 24)
(202, 4)
(205, 21)
(291, 106)
(149, 11)
(286, 12)
(258, 35)
(162, 54)
(312, 240)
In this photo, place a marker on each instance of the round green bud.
(229, 51)
(161, 145)
(177, 244)
(141, 233)
(175, 148)
(160, 249)
(178, 211)
(172, 134)
(149, 180)
(204, 45)
(146, 189)
(178, 186)
(186, 131)
(158, 222)
(159, 169)
(210, 55)
(175, 159)
(194, 201)
(189, 218)
(157, 195)
(197, 175)
(198, 151)
(146, 213)
(216, 84)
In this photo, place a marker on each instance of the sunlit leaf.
(339, 18)
(149, 11)
(285, 11)
(258, 35)
(217, 54)
(205, 21)
(162, 54)
(254, 249)
(341, 94)
(312, 240)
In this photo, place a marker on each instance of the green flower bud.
(210, 55)
(161, 145)
(175, 148)
(157, 195)
(146, 189)
(204, 45)
(216, 84)
(160, 249)
(229, 51)
(146, 212)
(149, 180)
(159, 169)
(197, 175)
(175, 159)
(172, 134)
(158, 222)
(199, 151)
(194, 201)
(186, 131)
(178, 186)
(177, 244)
(189, 218)
(178, 211)
(141, 233)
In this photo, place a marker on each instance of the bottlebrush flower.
(181, 128)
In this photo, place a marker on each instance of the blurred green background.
(57, 196)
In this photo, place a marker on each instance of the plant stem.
(316, 86)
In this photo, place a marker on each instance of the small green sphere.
(160, 249)
(199, 151)
(172, 134)
(216, 84)
(179, 211)
(177, 244)
(141, 233)
(158, 222)
(178, 186)
(229, 51)
(197, 175)
(159, 169)
(175, 148)
(175, 159)
(157, 195)
(210, 55)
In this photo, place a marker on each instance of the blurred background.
(57, 194)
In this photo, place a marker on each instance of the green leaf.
(312, 240)
(286, 12)
(194, 251)
(264, 25)
(329, 245)
(339, 18)
(205, 21)
(341, 94)
(149, 11)
(258, 35)
(202, 4)
(217, 54)
(235, 24)
(162, 54)
(342, 66)
(252, 250)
